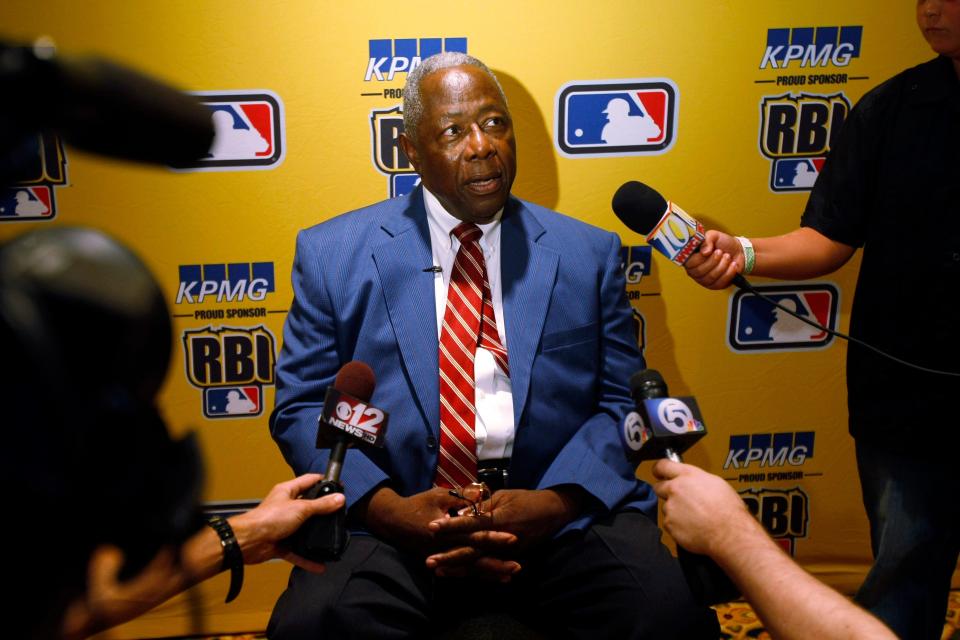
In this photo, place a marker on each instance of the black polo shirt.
(891, 185)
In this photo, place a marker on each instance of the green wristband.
(749, 255)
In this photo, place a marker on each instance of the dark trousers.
(915, 533)
(614, 580)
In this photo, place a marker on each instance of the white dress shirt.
(494, 395)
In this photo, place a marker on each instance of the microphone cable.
(742, 283)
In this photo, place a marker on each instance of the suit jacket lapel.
(409, 294)
(528, 272)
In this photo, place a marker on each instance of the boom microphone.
(95, 105)
(348, 419)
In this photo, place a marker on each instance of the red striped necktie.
(468, 321)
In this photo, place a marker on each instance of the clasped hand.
(488, 544)
(484, 545)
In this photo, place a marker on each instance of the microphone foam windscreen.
(356, 379)
(647, 384)
(638, 206)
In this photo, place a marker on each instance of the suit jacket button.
(431, 442)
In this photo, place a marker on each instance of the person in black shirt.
(891, 186)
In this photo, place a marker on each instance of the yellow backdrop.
(314, 87)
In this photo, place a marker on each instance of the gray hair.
(413, 99)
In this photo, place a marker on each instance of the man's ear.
(410, 150)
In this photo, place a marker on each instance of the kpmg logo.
(796, 133)
(635, 262)
(640, 329)
(756, 325)
(388, 158)
(42, 169)
(236, 282)
(764, 450)
(388, 57)
(811, 47)
(248, 131)
(616, 117)
(230, 365)
(232, 282)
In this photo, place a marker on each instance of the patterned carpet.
(739, 622)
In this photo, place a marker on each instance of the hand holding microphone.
(665, 427)
(348, 419)
(661, 427)
(712, 258)
(715, 259)
(701, 511)
(719, 261)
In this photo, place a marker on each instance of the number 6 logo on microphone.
(635, 432)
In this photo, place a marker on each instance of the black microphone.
(348, 419)
(98, 106)
(677, 235)
(667, 228)
(665, 427)
(661, 426)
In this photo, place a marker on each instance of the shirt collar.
(439, 218)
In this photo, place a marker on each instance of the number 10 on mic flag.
(677, 235)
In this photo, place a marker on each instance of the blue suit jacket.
(361, 293)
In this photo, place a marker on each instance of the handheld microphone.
(348, 419)
(661, 426)
(677, 235)
(666, 227)
(665, 427)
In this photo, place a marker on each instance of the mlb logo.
(402, 184)
(616, 117)
(756, 325)
(36, 168)
(795, 174)
(26, 203)
(248, 131)
(232, 402)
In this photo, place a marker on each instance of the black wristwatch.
(232, 556)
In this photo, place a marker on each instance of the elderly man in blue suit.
(502, 340)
